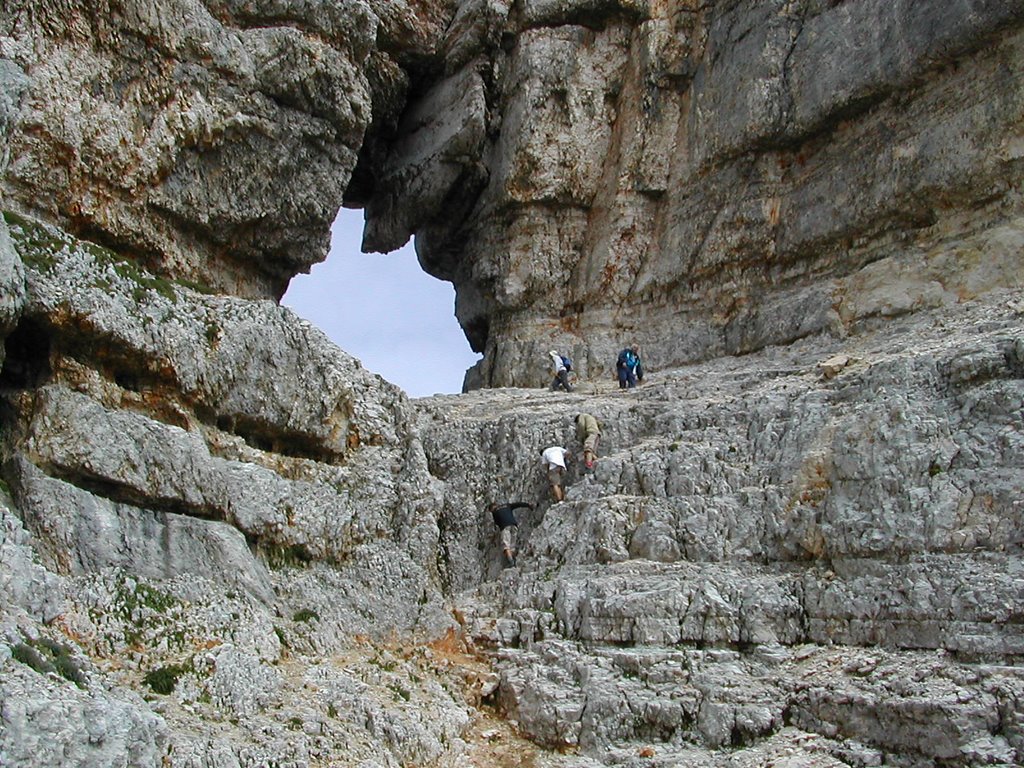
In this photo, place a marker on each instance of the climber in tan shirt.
(588, 432)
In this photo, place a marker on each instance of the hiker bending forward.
(561, 379)
(588, 432)
(553, 459)
(504, 517)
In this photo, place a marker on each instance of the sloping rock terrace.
(765, 557)
(225, 543)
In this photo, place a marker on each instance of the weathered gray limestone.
(252, 551)
(215, 139)
(709, 179)
(699, 178)
(213, 503)
(223, 542)
(12, 278)
(775, 513)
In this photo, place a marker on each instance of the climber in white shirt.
(561, 371)
(553, 459)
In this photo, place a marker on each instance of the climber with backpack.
(553, 460)
(504, 517)
(562, 366)
(629, 368)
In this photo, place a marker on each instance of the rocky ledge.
(772, 560)
(224, 542)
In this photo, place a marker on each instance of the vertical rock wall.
(203, 501)
(710, 178)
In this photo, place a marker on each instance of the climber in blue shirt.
(629, 368)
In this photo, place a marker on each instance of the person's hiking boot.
(510, 559)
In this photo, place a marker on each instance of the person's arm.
(521, 505)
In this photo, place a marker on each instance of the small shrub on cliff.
(280, 556)
(36, 244)
(163, 679)
(281, 637)
(29, 656)
(134, 595)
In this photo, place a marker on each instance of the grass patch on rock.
(46, 656)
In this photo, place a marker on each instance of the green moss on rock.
(46, 656)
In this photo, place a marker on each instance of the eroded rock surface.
(698, 178)
(711, 178)
(242, 548)
(206, 494)
(225, 543)
(763, 557)
(212, 140)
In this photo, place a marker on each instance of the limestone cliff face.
(708, 178)
(169, 457)
(225, 543)
(698, 178)
(210, 140)
(795, 561)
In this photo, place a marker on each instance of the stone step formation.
(243, 548)
(770, 562)
(223, 542)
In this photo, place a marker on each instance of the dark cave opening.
(26, 356)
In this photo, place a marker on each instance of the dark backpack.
(566, 362)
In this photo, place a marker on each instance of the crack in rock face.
(224, 542)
